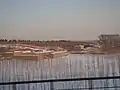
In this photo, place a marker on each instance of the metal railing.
(53, 81)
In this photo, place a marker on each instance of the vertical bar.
(114, 82)
(90, 84)
(51, 86)
(106, 83)
(14, 87)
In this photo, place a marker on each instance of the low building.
(109, 41)
(115, 41)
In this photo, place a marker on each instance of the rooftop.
(109, 35)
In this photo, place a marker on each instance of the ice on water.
(72, 66)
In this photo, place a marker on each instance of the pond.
(71, 66)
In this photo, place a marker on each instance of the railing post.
(51, 86)
(90, 84)
(14, 87)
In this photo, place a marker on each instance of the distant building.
(109, 41)
(107, 36)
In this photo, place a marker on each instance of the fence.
(90, 83)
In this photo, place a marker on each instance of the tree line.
(33, 42)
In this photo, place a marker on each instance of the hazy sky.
(58, 19)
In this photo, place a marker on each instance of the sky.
(58, 19)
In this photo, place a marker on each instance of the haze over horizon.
(58, 19)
